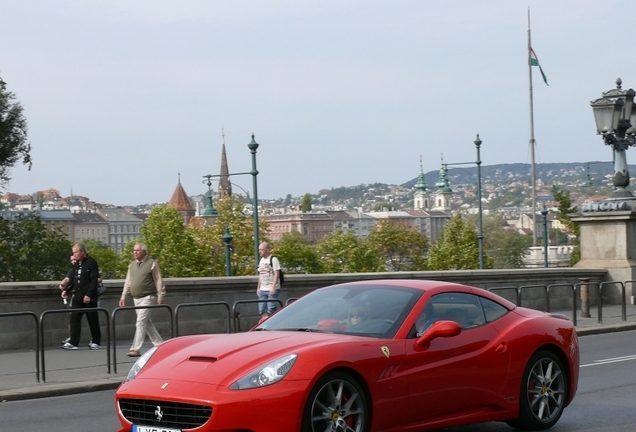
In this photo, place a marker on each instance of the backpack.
(281, 278)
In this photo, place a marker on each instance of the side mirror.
(439, 329)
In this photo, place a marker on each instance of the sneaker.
(133, 353)
(67, 340)
(94, 346)
(68, 346)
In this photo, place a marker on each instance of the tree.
(305, 206)
(504, 247)
(13, 134)
(457, 249)
(564, 209)
(346, 253)
(296, 254)
(232, 215)
(29, 252)
(558, 237)
(402, 248)
(107, 259)
(171, 244)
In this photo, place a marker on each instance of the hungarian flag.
(534, 61)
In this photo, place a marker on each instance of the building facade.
(91, 226)
(312, 226)
(123, 227)
(61, 221)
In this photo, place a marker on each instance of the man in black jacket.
(84, 280)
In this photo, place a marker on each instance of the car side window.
(465, 309)
(492, 310)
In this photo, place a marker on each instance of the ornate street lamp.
(209, 213)
(480, 234)
(615, 117)
(444, 183)
(253, 146)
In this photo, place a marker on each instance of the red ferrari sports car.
(386, 355)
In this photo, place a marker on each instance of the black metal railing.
(128, 308)
(236, 314)
(233, 314)
(37, 337)
(189, 305)
(60, 311)
(600, 300)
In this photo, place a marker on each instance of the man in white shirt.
(268, 287)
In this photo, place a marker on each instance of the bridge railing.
(232, 315)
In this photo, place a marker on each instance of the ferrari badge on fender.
(385, 351)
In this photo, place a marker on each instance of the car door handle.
(501, 348)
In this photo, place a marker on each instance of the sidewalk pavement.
(84, 370)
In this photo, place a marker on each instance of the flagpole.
(532, 143)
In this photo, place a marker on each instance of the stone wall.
(37, 297)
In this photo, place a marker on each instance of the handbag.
(101, 289)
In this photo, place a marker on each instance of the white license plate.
(136, 428)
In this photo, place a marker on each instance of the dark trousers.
(93, 323)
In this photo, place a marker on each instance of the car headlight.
(140, 363)
(267, 374)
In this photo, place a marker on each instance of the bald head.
(264, 249)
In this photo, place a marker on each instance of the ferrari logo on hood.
(385, 351)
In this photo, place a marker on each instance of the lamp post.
(480, 234)
(480, 228)
(227, 239)
(253, 145)
(209, 213)
(615, 115)
(544, 213)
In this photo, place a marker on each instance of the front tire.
(337, 403)
(543, 393)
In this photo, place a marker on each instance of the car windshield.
(364, 310)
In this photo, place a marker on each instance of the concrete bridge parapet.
(18, 332)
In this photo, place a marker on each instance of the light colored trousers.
(144, 324)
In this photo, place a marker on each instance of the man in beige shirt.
(145, 285)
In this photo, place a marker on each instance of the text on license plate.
(152, 429)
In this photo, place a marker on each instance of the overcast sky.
(121, 96)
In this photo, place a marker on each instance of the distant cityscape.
(425, 203)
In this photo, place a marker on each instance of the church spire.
(420, 201)
(225, 187)
(444, 193)
(421, 180)
(181, 202)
